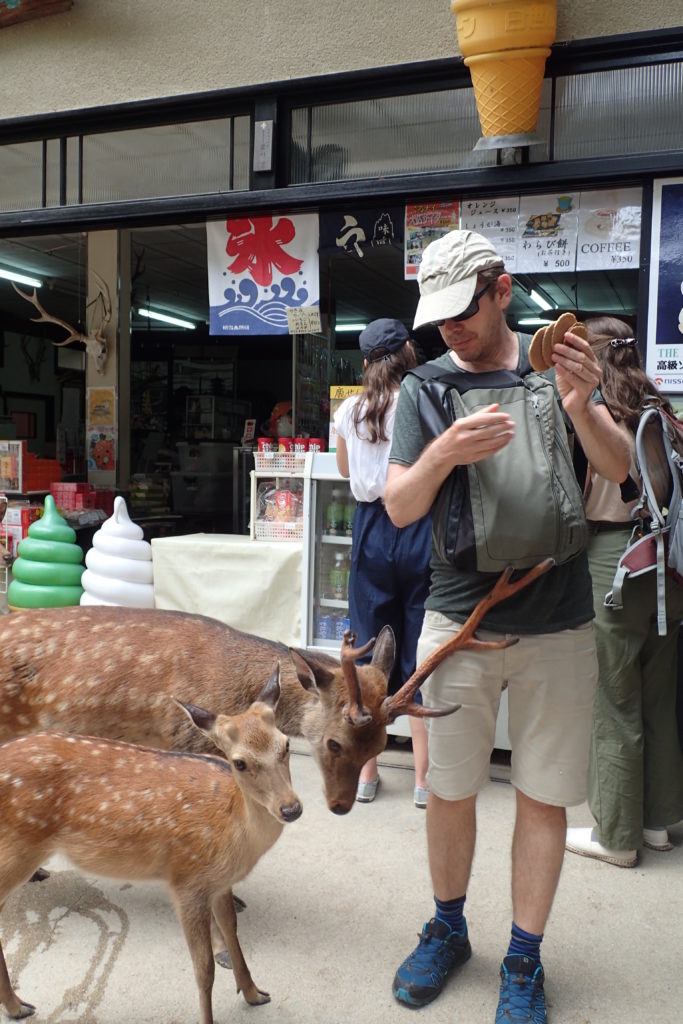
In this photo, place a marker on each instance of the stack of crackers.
(546, 338)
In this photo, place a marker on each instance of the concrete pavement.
(334, 907)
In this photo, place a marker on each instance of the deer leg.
(15, 1006)
(13, 871)
(226, 917)
(220, 953)
(195, 917)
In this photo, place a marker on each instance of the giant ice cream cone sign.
(505, 44)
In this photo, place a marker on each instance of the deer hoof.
(39, 876)
(223, 959)
(257, 997)
(25, 1010)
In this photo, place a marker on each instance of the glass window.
(21, 176)
(433, 131)
(628, 110)
(166, 160)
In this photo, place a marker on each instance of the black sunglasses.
(471, 310)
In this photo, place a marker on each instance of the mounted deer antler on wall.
(95, 341)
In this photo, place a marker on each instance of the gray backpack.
(522, 504)
(657, 539)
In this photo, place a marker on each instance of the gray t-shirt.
(560, 599)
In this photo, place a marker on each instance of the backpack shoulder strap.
(434, 403)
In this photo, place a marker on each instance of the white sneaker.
(657, 839)
(583, 842)
(367, 791)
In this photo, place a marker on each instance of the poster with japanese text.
(495, 219)
(665, 320)
(609, 229)
(259, 267)
(547, 232)
(425, 222)
(101, 427)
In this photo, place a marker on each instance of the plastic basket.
(278, 531)
(280, 462)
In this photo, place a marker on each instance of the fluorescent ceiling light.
(539, 300)
(533, 321)
(349, 327)
(166, 319)
(13, 275)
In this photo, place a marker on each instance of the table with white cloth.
(253, 585)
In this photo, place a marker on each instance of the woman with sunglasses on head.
(635, 778)
(389, 576)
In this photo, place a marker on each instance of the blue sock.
(450, 912)
(524, 943)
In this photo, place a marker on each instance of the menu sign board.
(665, 322)
(609, 230)
(424, 223)
(546, 233)
(495, 219)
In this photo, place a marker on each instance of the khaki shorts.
(551, 681)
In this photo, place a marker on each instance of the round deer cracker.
(560, 328)
(548, 338)
(580, 330)
(536, 351)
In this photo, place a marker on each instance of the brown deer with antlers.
(108, 671)
(198, 823)
(95, 341)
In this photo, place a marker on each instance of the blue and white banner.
(665, 307)
(259, 267)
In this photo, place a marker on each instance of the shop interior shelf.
(333, 602)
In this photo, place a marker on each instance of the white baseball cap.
(448, 274)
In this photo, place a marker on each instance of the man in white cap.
(551, 677)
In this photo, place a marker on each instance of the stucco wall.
(111, 51)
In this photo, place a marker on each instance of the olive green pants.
(635, 777)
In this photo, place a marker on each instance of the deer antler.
(354, 712)
(95, 342)
(45, 317)
(402, 702)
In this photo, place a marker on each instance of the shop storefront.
(109, 210)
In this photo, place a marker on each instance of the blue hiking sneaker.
(423, 974)
(522, 1000)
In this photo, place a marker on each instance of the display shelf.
(290, 463)
(267, 530)
(333, 538)
(333, 602)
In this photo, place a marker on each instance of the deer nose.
(339, 808)
(291, 812)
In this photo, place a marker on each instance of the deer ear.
(204, 720)
(314, 671)
(384, 651)
(270, 694)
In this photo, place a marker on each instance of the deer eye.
(334, 747)
(239, 765)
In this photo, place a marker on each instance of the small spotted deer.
(197, 822)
